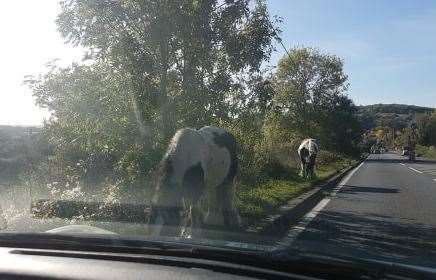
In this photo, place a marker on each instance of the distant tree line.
(392, 124)
(426, 126)
(395, 109)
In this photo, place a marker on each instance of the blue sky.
(388, 46)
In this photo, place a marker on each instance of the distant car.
(377, 151)
(405, 151)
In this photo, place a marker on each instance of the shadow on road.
(387, 160)
(371, 236)
(400, 160)
(349, 189)
(425, 161)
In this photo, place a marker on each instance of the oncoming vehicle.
(236, 139)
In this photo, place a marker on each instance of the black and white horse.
(195, 189)
(307, 152)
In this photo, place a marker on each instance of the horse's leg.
(307, 170)
(3, 221)
(197, 219)
(312, 165)
(164, 215)
(226, 203)
(186, 220)
(165, 221)
(303, 168)
(193, 188)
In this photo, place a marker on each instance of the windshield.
(252, 125)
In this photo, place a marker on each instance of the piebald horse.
(307, 152)
(195, 187)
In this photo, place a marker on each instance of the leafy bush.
(427, 152)
(326, 157)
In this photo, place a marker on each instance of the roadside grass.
(256, 202)
(427, 152)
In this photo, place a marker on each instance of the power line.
(275, 31)
(281, 43)
(276, 34)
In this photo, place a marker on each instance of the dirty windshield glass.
(260, 125)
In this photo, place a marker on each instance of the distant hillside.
(396, 116)
(394, 109)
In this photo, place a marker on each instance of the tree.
(93, 126)
(310, 95)
(426, 126)
(180, 53)
(152, 66)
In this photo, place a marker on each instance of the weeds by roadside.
(256, 202)
(427, 152)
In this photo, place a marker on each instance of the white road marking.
(434, 180)
(402, 164)
(411, 168)
(305, 221)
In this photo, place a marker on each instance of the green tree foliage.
(179, 54)
(395, 121)
(152, 67)
(426, 125)
(394, 116)
(93, 128)
(310, 97)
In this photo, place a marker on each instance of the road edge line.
(289, 214)
(296, 230)
(420, 172)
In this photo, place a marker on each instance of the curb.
(290, 213)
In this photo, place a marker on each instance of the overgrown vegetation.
(264, 198)
(425, 151)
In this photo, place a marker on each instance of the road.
(385, 209)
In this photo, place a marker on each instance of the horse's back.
(187, 149)
(222, 153)
(310, 144)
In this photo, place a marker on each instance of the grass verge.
(256, 202)
(427, 152)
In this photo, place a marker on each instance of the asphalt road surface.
(384, 209)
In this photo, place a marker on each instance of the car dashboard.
(19, 263)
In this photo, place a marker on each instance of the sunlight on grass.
(258, 201)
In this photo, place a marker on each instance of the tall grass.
(427, 152)
(258, 201)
